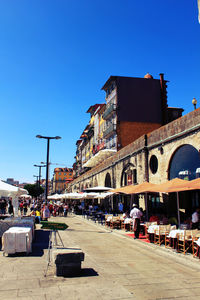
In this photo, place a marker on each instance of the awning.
(99, 157)
(144, 187)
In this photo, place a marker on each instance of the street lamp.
(36, 178)
(194, 102)
(39, 166)
(48, 138)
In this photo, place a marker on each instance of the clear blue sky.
(55, 55)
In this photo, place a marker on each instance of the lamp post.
(48, 138)
(194, 102)
(36, 178)
(39, 166)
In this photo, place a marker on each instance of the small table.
(17, 239)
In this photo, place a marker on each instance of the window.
(129, 175)
(184, 163)
(153, 164)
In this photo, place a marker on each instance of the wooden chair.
(107, 220)
(195, 247)
(184, 241)
(168, 240)
(115, 223)
(160, 234)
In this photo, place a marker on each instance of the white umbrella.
(54, 197)
(104, 195)
(8, 190)
(91, 195)
(74, 195)
(25, 196)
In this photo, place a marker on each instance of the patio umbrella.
(104, 195)
(74, 195)
(91, 195)
(171, 186)
(8, 190)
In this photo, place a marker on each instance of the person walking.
(136, 214)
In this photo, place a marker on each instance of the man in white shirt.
(195, 219)
(136, 214)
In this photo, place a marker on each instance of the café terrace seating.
(181, 240)
(160, 234)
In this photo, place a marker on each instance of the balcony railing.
(109, 131)
(109, 109)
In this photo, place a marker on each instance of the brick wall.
(127, 132)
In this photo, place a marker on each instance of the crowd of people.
(43, 210)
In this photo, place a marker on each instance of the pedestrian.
(45, 212)
(21, 208)
(136, 214)
(10, 207)
(66, 210)
(25, 208)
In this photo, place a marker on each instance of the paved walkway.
(115, 267)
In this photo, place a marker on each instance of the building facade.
(167, 152)
(134, 107)
(61, 179)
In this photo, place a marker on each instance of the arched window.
(184, 163)
(108, 180)
(129, 175)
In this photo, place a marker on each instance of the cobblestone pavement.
(115, 267)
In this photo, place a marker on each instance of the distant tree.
(34, 190)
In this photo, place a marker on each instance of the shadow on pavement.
(41, 242)
(85, 272)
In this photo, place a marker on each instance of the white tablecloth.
(128, 221)
(152, 228)
(17, 239)
(173, 233)
(198, 242)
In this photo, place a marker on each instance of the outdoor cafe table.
(173, 234)
(151, 231)
(17, 239)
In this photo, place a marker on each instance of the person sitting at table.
(154, 218)
(195, 219)
(164, 220)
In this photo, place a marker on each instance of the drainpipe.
(163, 91)
(146, 159)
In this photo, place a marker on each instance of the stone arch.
(129, 175)
(108, 180)
(184, 163)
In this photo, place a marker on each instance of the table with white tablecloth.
(17, 239)
(152, 228)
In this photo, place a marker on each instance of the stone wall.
(162, 143)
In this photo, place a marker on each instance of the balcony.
(109, 110)
(109, 131)
(90, 131)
